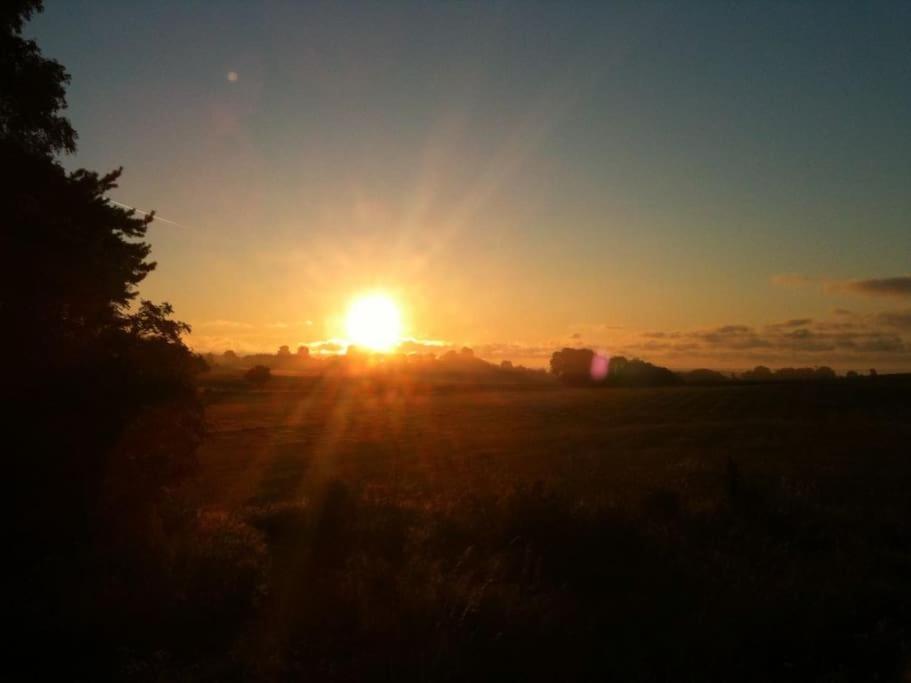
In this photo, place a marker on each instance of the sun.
(374, 322)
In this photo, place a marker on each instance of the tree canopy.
(74, 259)
(584, 366)
(32, 89)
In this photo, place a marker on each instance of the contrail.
(146, 213)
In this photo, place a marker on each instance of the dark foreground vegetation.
(365, 531)
(99, 393)
(360, 529)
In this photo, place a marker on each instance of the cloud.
(804, 340)
(328, 347)
(511, 350)
(898, 286)
(223, 324)
(732, 337)
(844, 339)
(899, 319)
(888, 286)
(794, 322)
(434, 346)
(218, 343)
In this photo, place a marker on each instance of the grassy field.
(382, 530)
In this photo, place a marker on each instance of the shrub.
(220, 569)
(258, 374)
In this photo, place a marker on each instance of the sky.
(698, 184)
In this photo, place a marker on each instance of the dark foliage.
(100, 390)
(758, 374)
(584, 367)
(32, 90)
(704, 376)
(763, 374)
(638, 373)
(573, 366)
(258, 374)
(701, 534)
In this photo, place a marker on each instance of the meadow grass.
(451, 532)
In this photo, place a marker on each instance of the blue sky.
(514, 173)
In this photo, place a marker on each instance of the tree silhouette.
(760, 373)
(638, 373)
(32, 89)
(74, 259)
(573, 366)
(580, 366)
(105, 406)
(258, 374)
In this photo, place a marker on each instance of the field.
(389, 530)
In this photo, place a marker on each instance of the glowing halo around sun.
(374, 322)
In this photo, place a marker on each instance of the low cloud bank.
(894, 287)
(843, 339)
(889, 286)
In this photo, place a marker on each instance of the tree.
(573, 366)
(760, 373)
(73, 264)
(73, 259)
(32, 89)
(824, 372)
(104, 392)
(638, 373)
(303, 353)
(583, 366)
(258, 374)
(704, 376)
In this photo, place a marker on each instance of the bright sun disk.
(374, 322)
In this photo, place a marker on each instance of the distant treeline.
(761, 373)
(572, 366)
(462, 361)
(585, 367)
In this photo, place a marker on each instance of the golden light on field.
(374, 322)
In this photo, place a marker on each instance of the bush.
(220, 569)
(258, 374)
